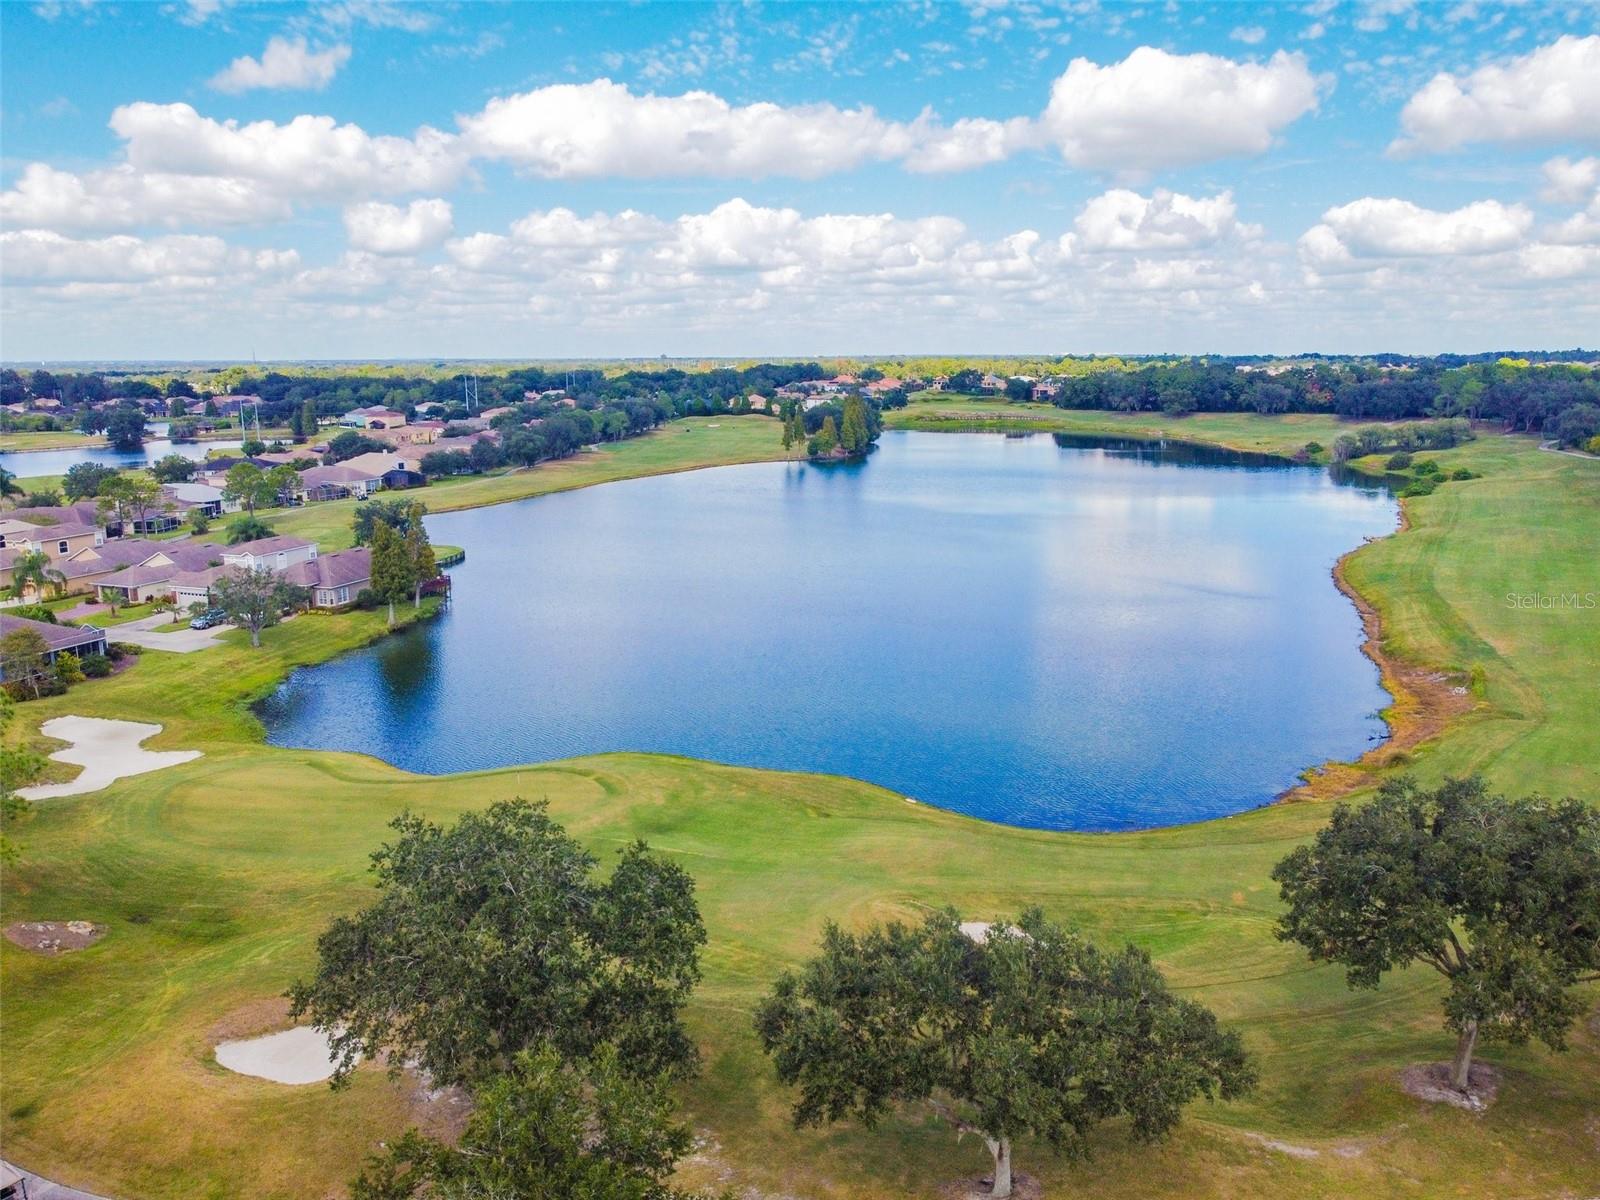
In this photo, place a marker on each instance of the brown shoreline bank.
(1425, 701)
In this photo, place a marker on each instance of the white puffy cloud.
(1568, 181)
(1125, 220)
(123, 197)
(969, 142)
(309, 157)
(285, 63)
(1550, 94)
(35, 256)
(1250, 35)
(1155, 109)
(1391, 228)
(389, 229)
(588, 130)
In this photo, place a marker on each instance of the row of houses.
(135, 570)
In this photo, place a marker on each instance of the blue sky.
(205, 179)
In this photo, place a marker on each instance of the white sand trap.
(978, 931)
(106, 750)
(298, 1055)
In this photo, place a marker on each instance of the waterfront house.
(82, 640)
(334, 580)
(392, 469)
(153, 573)
(338, 481)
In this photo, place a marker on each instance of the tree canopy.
(254, 599)
(545, 1130)
(1016, 1030)
(493, 937)
(1501, 897)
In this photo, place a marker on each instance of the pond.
(1033, 630)
(35, 463)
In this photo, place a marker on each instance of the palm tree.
(34, 568)
(9, 486)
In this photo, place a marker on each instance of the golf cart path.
(106, 750)
(43, 1189)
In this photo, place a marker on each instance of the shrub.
(1422, 486)
(366, 598)
(95, 666)
(1593, 445)
(121, 650)
(1463, 473)
(34, 612)
(198, 521)
(1428, 466)
(1313, 447)
(1398, 462)
(69, 668)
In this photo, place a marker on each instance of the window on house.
(61, 547)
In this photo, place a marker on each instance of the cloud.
(1571, 182)
(602, 129)
(284, 63)
(309, 157)
(388, 229)
(1372, 228)
(1250, 35)
(34, 256)
(970, 142)
(1551, 94)
(1156, 109)
(123, 197)
(1123, 220)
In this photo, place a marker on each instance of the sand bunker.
(106, 750)
(52, 937)
(298, 1055)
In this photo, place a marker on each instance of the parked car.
(209, 618)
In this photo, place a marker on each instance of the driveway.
(142, 632)
(43, 1189)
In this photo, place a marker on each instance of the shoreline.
(1424, 701)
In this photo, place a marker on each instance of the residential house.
(334, 580)
(153, 574)
(1046, 390)
(57, 541)
(394, 470)
(417, 433)
(82, 640)
(190, 588)
(374, 416)
(209, 500)
(992, 384)
(274, 553)
(338, 482)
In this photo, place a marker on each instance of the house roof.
(339, 473)
(380, 462)
(204, 578)
(57, 637)
(343, 568)
(194, 493)
(83, 512)
(54, 533)
(130, 577)
(266, 545)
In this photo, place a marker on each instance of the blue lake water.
(1039, 631)
(31, 463)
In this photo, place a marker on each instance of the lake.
(34, 463)
(1049, 632)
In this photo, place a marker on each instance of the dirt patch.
(267, 1015)
(440, 1112)
(1431, 1082)
(1425, 701)
(54, 937)
(1023, 1187)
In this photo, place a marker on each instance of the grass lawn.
(214, 878)
(50, 439)
(677, 446)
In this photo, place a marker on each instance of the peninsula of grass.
(213, 879)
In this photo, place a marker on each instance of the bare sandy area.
(298, 1055)
(52, 937)
(106, 750)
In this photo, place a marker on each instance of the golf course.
(213, 878)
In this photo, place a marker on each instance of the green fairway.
(48, 439)
(214, 877)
